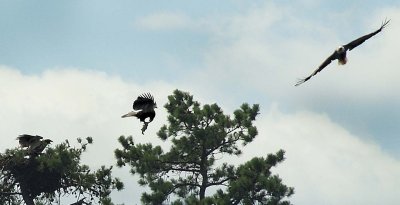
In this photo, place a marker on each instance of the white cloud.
(163, 21)
(325, 163)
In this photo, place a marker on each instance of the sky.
(70, 69)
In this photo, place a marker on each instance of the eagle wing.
(38, 147)
(27, 140)
(361, 40)
(143, 102)
(332, 57)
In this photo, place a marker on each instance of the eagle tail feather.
(130, 114)
(342, 61)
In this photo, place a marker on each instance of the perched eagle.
(28, 140)
(38, 147)
(143, 108)
(340, 53)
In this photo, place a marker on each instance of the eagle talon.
(144, 128)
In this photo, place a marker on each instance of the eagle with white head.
(143, 108)
(340, 53)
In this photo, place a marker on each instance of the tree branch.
(10, 193)
(220, 182)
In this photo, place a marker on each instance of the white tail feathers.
(130, 114)
(342, 61)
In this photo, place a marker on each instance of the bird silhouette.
(26, 140)
(37, 148)
(143, 109)
(340, 53)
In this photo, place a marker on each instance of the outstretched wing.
(144, 101)
(361, 40)
(332, 57)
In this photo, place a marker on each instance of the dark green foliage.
(200, 136)
(254, 183)
(55, 172)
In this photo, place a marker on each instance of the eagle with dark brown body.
(340, 53)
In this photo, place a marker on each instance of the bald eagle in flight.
(28, 140)
(143, 109)
(340, 53)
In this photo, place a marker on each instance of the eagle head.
(48, 141)
(341, 49)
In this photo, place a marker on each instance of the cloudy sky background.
(70, 69)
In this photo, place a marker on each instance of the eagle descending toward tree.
(143, 108)
(340, 53)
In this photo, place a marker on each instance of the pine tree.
(56, 172)
(200, 137)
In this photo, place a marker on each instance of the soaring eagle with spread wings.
(143, 108)
(340, 53)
